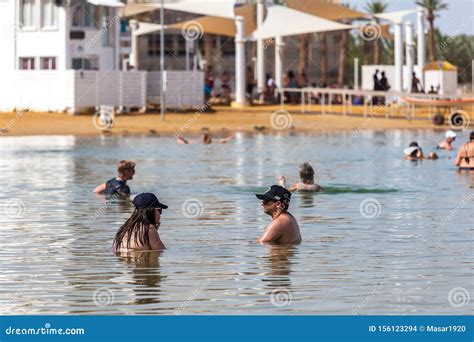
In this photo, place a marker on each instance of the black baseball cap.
(275, 193)
(148, 200)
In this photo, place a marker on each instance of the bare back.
(283, 230)
(465, 157)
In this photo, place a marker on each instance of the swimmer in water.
(118, 185)
(446, 144)
(283, 229)
(140, 231)
(432, 156)
(307, 180)
(206, 139)
(465, 156)
(413, 152)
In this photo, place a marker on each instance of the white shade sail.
(108, 3)
(283, 21)
(145, 28)
(396, 17)
(215, 8)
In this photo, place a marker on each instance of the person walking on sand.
(465, 156)
(118, 185)
(446, 144)
(307, 180)
(140, 231)
(283, 229)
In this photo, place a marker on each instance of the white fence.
(73, 90)
(184, 89)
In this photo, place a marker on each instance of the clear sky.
(457, 19)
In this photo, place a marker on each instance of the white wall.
(446, 80)
(7, 35)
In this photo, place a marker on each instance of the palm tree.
(303, 52)
(432, 7)
(324, 58)
(376, 7)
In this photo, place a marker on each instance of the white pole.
(239, 61)
(356, 73)
(409, 53)
(116, 20)
(398, 56)
(279, 45)
(421, 46)
(134, 54)
(260, 52)
(162, 62)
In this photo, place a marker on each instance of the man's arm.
(273, 233)
(100, 189)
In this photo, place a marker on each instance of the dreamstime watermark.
(368, 299)
(281, 297)
(370, 208)
(101, 210)
(9, 30)
(192, 208)
(458, 297)
(460, 120)
(105, 27)
(202, 287)
(464, 202)
(281, 119)
(46, 330)
(14, 208)
(202, 109)
(104, 118)
(103, 296)
(370, 31)
(459, 30)
(192, 30)
(12, 122)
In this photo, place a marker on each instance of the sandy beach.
(190, 123)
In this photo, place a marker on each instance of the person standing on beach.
(284, 228)
(465, 156)
(118, 185)
(140, 231)
(307, 180)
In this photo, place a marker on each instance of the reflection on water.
(410, 247)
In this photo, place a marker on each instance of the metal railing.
(387, 103)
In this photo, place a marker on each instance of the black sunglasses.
(160, 210)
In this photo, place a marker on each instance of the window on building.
(27, 63)
(48, 63)
(84, 15)
(49, 14)
(90, 63)
(28, 13)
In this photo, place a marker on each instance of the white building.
(66, 55)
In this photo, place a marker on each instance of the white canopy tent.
(395, 17)
(108, 3)
(295, 22)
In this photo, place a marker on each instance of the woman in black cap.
(140, 231)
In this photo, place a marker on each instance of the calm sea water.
(388, 236)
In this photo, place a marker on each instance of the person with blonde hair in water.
(140, 231)
(118, 185)
(465, 156)
(307, 180)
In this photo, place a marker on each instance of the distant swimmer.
(432, 156)
(307, 180)
(206, 139)
(140, 231)
(413, 152)
(118, 185)
(283, 229)
(465, 156)
(446, 143)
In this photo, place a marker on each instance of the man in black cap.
(284, 229)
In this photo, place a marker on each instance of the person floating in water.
(284, 228)
(307, 180)
(140, 231)
(465, 156)
(446, 143)
(118, 185)
(206, 139)
(413, 152)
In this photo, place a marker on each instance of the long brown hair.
(137, 226)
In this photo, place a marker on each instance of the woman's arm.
(154, 240)
(459, 157)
